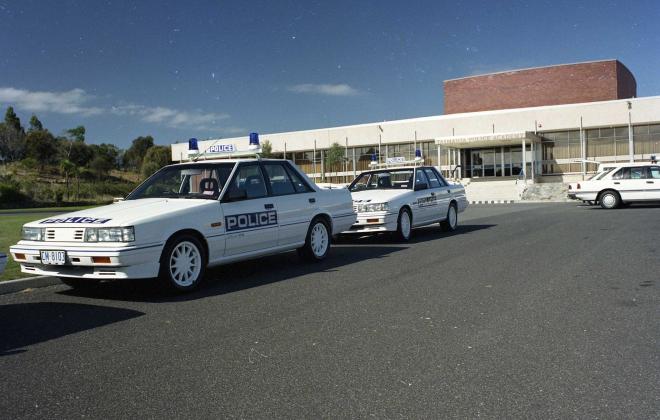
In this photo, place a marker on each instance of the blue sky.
(224, 68)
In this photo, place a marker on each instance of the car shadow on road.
(419, 235)
(635, 206)
(237, 276)
(25, 324)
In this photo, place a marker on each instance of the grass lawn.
(10, 233)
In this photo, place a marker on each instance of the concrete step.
(506, 190)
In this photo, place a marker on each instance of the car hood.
(379, 196)
(124, 213)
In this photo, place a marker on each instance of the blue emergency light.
(254, 141)
(193, 148)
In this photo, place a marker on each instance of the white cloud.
(76, 101)
(341, 89)
(68, 102)
(171, 117)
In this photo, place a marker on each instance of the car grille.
(65, 235)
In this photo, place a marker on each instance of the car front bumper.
(128, 262)
(374, 222)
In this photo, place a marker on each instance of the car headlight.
(33, 233)
(111, 234)
(372, 207)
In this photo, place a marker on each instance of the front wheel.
(317, 241)
(610, 200)
(404, 226)
(182, 264)
(451, 222)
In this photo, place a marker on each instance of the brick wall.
(555, 85)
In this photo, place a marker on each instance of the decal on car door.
(236, 222)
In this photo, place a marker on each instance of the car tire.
(317, 241)
(404, 226)
(609, 200)
(451, 222)
(182, 263)
(80, 284)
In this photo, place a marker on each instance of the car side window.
(638, 172)
(623, 173)
(434, 182)
(420, 178)
(280, 183)
(248, 183)
(654, 172)
(298, 183)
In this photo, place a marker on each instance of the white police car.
(624, 183)
(186, 217)
(397, 199)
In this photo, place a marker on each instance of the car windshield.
(201, 181)
(383, 180)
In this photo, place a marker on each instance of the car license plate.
(53, 257)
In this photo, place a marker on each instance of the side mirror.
(421, 186)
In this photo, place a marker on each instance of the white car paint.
(631, 182)
(231, 231)
(428, 206)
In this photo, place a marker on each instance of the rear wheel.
(317, 241)
(451, 222)
(183, 263)
(80, 284)
(610, 200)
(404, 226)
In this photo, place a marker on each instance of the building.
(538, 124)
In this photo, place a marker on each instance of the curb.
(494, 202)
(13, 286)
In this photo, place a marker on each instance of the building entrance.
(495, 162)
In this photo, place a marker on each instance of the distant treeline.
(39, 168)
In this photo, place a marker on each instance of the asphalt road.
(535, 311)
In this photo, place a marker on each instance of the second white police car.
(623, 183)
(186, 217)
(399, 198)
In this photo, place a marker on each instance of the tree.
(266, 149)
(77, 134)
(136, 153)
(41, 146)
(105, 157)
(35, 124)
(67, 168)
(12, 143)
(12, 120)
(156, 158)
(78, 152)
(334, 156)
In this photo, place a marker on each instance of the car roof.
(629, 164)
(237, 160)
(394, 168)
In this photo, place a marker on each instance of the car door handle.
(312, 200)
(616, 183)
(268, 206)
(449, 191)
(432, 193)
(649, 182)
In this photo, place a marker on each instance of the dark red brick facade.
(554, 85)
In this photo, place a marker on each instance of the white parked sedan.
(186, 217)
(399, 199)
(623, 184)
